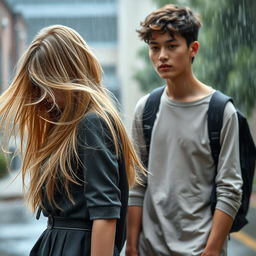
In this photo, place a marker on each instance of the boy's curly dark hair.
(172, 19)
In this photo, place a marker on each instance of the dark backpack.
(215, 118)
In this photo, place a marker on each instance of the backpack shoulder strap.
(38, 213)
(149, 115)
(215, 120)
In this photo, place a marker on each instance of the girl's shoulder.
(92, 120)
(94, 123)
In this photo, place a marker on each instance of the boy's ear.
(194, 47)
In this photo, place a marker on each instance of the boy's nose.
(163, 55)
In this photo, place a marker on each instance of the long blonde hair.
(58, 59)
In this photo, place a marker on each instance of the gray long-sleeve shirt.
(176, 197)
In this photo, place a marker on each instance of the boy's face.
(171, 57)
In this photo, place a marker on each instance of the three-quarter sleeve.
(228, 179)
(100, 167)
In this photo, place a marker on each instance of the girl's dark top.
(103, 193)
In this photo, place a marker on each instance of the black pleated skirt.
(64, 242)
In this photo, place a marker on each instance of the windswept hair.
(58, 60)
(171, 19)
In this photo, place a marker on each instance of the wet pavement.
(238, 248)
(19, 230)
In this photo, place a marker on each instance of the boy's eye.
(154, 48)
(172, 46)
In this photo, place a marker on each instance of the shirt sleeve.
(136, 194)
(228, 179)
(101, 169)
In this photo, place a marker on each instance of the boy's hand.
(221, 225)
(133, 230)
(207, 252)
(131, 252)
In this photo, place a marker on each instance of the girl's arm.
(103, 237)
(101, 187)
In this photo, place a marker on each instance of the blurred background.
(226, 61)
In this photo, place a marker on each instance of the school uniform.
(103, 194)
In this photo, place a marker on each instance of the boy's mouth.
(164, 67)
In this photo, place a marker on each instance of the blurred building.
(95, 20)
(12, 41)
(108, 26)
(130, 14)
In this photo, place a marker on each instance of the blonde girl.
(74, 147)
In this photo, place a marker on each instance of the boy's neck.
(187, 89)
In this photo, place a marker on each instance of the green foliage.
(228, 49)
(241, 78)
(164, 2)
(3, 165)
(147, 77)
(226, 59)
